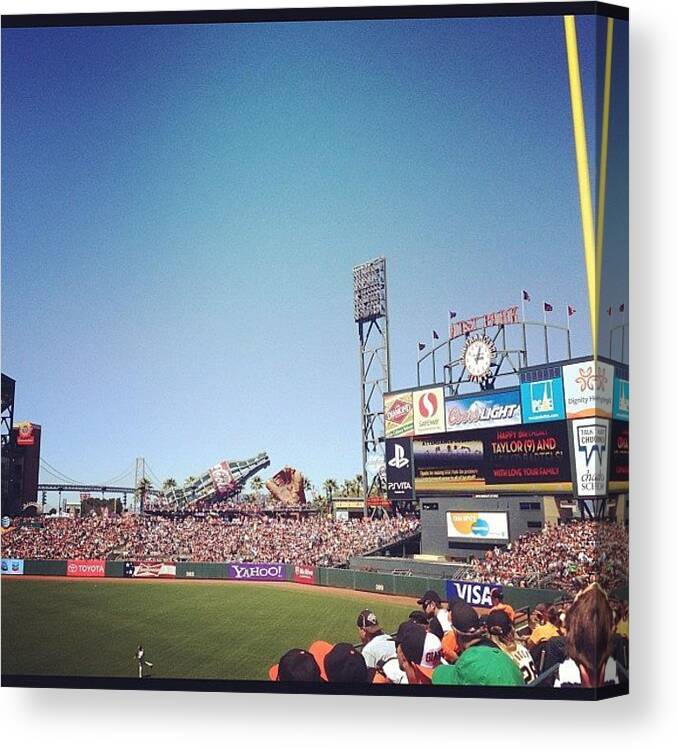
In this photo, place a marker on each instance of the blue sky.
(183, 205)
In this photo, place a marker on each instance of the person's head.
(298, 665)
(499, 626)
(497, 596)
(588, 639)
(418, 618)
(467, 625)
(416, 648)
(368, 626)
(538, 616)
(345, 664)
(430, 602)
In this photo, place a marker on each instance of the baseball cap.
(296, 665)
(418, 617)
(498, 622)
(344, 664)
(368, 621)
(430, 596)
(418, 646)
(496, 593)
(465, 619)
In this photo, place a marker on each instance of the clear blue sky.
(183, 205)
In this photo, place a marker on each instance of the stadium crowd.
(568, 557)
(576, 643)
(312, 541)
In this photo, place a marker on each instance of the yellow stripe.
(582, 174)
(600, 217)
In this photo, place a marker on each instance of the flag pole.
(522, 303)
(433, 357)
(569, 340)
(546, 333)
(623, 333)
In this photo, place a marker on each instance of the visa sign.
(475, 594)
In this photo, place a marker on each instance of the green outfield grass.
(189, 629)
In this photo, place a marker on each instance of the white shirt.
(380, 648)
(443, 616)
(568, 673)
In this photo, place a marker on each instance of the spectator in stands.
(589, 627)
(497, 597)
(419, 618)
(500, 629)
(345, 665)
(438, 618)
(418, 653)
(379, 651)
(545, 622)
(481, 661)
(298, 665)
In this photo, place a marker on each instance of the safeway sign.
(399, 483)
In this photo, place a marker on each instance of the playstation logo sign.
(399, 460)
(399, 484)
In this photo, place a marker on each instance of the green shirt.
(479, 664)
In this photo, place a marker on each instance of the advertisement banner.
(475, 594)
(620, 399)
(478, 526)
(25, 434)
(304, 574)
(150, 570)
(12, 567)
(590, 438)
(429, 411)
(86, 568)
(619, 453)
(588, 389)
(492, 410)
(222, 477)
(398, 415)
(526, 458)
(399, 484)
(256, 571)
(541, 394)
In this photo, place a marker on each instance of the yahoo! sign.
(256, 571)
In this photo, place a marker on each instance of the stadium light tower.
(370, 312)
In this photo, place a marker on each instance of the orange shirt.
(450, 648)
(506, 608)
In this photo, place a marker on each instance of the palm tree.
(330, 486)
(189, 480)
(169, 484)
(256, 484)
(359, 484)
(143, 488)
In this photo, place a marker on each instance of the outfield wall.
(357, 580)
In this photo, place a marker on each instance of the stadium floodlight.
(370, 314)
(369, 290)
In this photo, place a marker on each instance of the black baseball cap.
(368, 620)
(345, 664)
(298, 665)
(496, 593)
(411, 639)
(418, 617)
(498, 622)
(465, 619)
(430, 596)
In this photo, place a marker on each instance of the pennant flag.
(621, 307)
(526, 296)
(548, 307)
(453, 314)
(421, 346)
(435, 335)
(570, 310)
(609, 311)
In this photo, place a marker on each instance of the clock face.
(478, 357)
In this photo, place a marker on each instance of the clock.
(478, 356)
